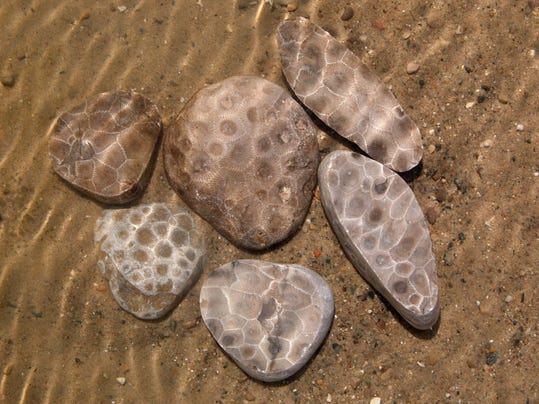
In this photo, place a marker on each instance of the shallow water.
(64, 338)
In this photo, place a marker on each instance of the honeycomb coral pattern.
(103, 147)
(382, 229)
(333, 83)
(153, 254)
(243, 155)
(270, 318)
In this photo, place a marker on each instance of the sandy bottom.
(64, 339)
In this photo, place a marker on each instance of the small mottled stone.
(153, 254)
(383, 231)
(243, 155)
(333, 83)
(270, 318)
(103, 147)
(8, 80)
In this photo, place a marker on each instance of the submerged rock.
(270, 318)
(243, 155)
(382, 229)
(333, 83)
(103, 147)
(153, 254)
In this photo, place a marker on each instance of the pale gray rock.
(333, 83)
(152, 255)
(382, 229)
(270, 318)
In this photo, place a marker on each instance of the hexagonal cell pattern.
(153, 254)
(382, 229)
(334, 83)
(243, 155)
(103, 147)
(270, 318)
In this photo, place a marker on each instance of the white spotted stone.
(153, 254)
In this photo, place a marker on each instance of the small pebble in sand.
(503, 98)
(8, 80)
(291, 7)
(520, 127)
(243, 155)
(121, 380)
(375, 400)
(412, 68)
(347, 13)
(509, 299)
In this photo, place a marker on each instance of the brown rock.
(347, 13)
(103, 146)
(243, 155)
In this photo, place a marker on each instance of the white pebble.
(508, 299)
(121, 380)
(486, 143)
(328, 398)
(375, 400)
(520, 127)
(121, 9)
(470, 104)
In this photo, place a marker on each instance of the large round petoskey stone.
(270, 318)
(153, 254)
(243, 155)
(104, 146)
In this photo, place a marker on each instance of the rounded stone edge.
(328, 312)
(424, 321)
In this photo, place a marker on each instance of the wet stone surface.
(153, 254)
(333, 83)
(381, 227)
(243, 155)
(103, 147)
(270, 318)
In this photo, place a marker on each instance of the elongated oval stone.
(382, 229)
(152, 255)
(243, 155)
(333, 83)
(270, 318)
(103, 147)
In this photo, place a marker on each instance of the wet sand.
(64, 339)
